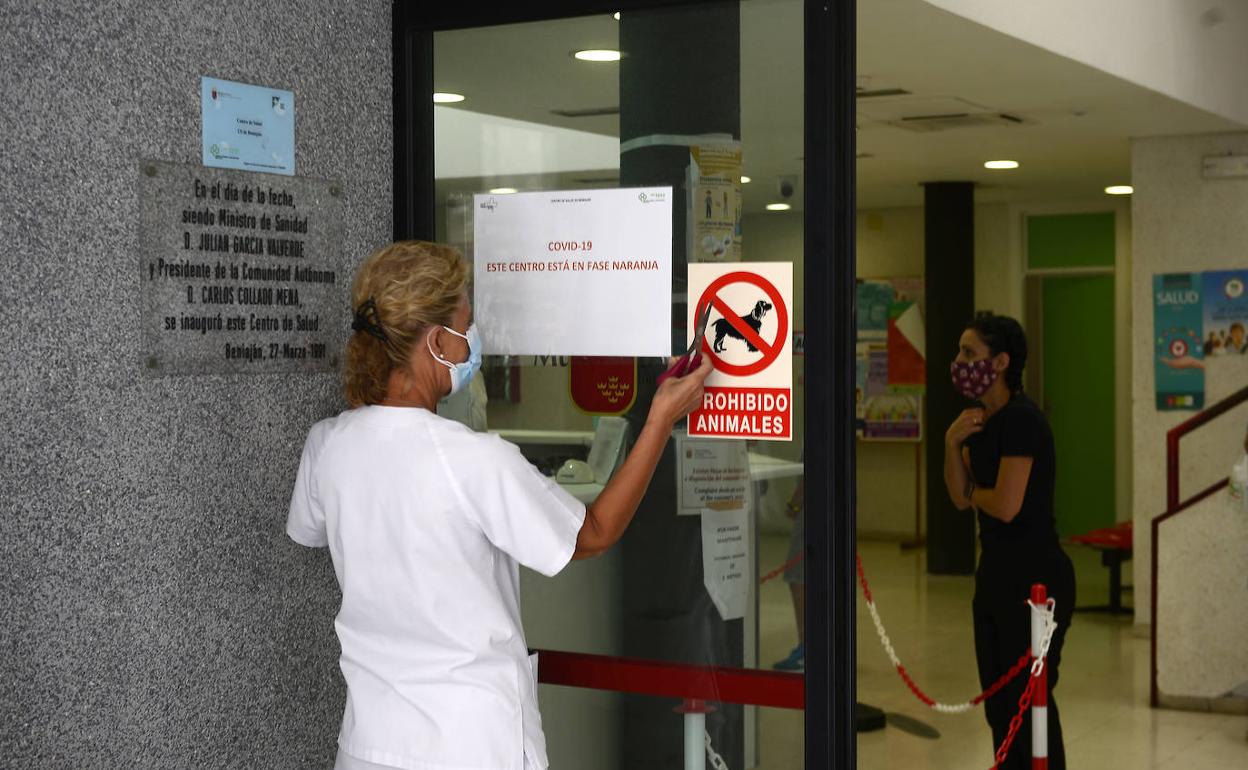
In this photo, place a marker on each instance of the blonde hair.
(412, 285)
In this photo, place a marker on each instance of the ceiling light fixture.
(1119, 189)
(446, 98)
(745, 179)
(778, 207)
(1001, 164)
(502, 191)
(616, 15)
(597, 54)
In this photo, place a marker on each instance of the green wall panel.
(1079, 396)
(1070, 240)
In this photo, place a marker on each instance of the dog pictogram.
(747, 327)
(724, 327)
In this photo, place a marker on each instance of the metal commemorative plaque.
(241, 272)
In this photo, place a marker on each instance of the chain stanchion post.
(695, 711)
(1040, 694)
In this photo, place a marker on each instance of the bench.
(1114, 543)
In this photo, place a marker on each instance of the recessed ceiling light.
(502, 191)
(778, 207)
(616, 15)
(1120, 189)
(745, 179)
(1001, 164)
(598, 54)
(445, 98)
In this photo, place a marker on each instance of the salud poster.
(574, 272)
(1179, 349)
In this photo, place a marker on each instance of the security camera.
(787, 185)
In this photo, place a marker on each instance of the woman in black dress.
(1000, 460)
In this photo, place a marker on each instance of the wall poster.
(1199, 321)
(1179, 363)
(1226, 313)
(892, 359)
(714, 228)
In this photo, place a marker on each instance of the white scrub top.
(426, 522)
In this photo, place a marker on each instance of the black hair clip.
(368, 320)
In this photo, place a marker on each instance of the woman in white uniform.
(427, 522)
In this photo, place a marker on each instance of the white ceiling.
(1074, 139)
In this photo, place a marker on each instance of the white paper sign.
(726, 563)
(574, 272)
(710, 471)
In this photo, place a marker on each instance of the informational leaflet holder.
(750, 392)
(574, 272)
(710, 471)
(248, 127)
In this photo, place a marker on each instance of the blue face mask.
(463, 372)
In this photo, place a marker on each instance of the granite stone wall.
(1181, 222)
(152, 612)
(1203, 581)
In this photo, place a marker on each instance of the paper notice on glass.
(710, 471)
(714, 220)
(726, 561)
(574, 272)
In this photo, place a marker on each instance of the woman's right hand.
(678, 396)
(608, 516)
(967, 424)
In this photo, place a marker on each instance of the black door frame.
(830, 295)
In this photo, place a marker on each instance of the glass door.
(646, 659)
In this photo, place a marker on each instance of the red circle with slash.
(770, 351)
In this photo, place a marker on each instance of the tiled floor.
(1103, 694)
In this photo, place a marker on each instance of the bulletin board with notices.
(891, 359)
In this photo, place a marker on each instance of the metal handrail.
(1182, 429)
(1175, 506)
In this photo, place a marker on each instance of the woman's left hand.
(970, 422)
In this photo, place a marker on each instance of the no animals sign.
(749, 340)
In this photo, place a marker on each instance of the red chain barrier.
(1024, 660)
(1006, 678)
(783, 568)
(1016, 722)
(927, 700)
(1024, 702)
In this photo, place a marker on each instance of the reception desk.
(762, 467)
